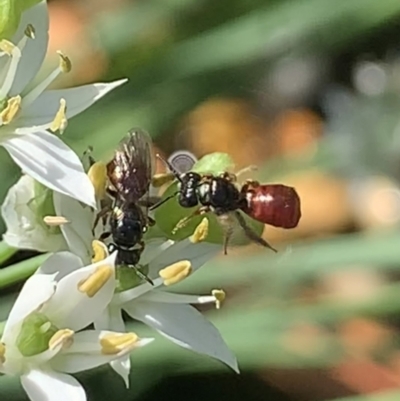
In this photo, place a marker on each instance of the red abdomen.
(277, 205)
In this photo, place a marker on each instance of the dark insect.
(276, 205)
(129, 172)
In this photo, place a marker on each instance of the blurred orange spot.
(361, 336)
(355, 284)
(324, 206)
(227, 125)
(365, 376)
(297, 130)
(376, 202)
(68, 33)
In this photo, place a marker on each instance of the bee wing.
(131, 169)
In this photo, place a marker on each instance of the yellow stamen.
(2, 353)
(159, 180)
(100, 251)
(11, 110)
(98, 175)
(176, 272)
(95, 282)
(64, 337)
(60, 121)
(201, 232)
(6, 46)
(55, 221)
(114, 343)
(65, 63)
(30, 31)
(220, 296)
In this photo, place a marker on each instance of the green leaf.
(170, 213)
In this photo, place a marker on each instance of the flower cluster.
(68, 316)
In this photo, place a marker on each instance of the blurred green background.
(310, 91)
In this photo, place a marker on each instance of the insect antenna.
(163, 201)
(170, 167)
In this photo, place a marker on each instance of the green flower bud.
(10, 15)
(43, 206)
(170, 213)
(36, 332)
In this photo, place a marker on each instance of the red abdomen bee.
(277, 205)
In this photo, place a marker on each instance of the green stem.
(20, 271)
(6, 251)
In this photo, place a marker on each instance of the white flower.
(39, 342)
(168, 313)
(28, 210)
(27, 114)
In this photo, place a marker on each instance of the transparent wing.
(131, 169)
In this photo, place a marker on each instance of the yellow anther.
(63, 337)
(159, 180)
(98, 175)
(60, 121)
(6, 46)
(176, 272)
(95, 282)
(55, 221)
(114, 343)
(220, 296)
(11, 110)
(65, 63)
(30, 31)
(2, 353)
(100, 251)
(201, 232)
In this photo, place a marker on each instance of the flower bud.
(35, 334)
(10, 15)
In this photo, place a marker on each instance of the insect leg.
(250, 233)
(246, 170)
(228, 228)
(105, 235)
(103, 214)
(143, 276)
(88, 154)
(150, 201)
(183, 222)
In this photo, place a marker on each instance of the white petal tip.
(119, 82)
(235, 367)
(144, 341)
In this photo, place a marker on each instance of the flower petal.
(154, 248)
(60, 265)
(37, 290)
(85, 352)
(185, 326)
(111, 319)
(52, 386)
(78, 232)
(23, 229)
(35, 49)
(198, 254)
(48, 160)
(42, 111)
(74, 308)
